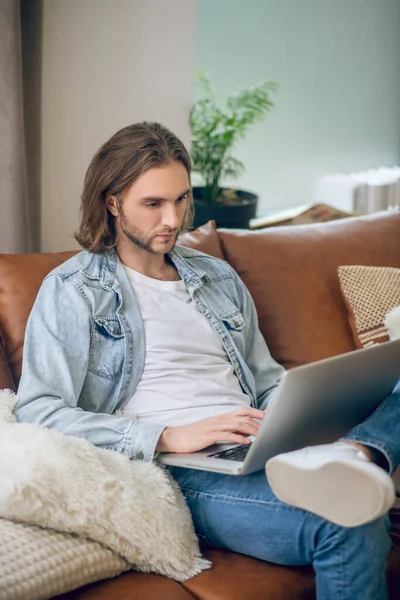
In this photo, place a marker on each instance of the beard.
(143, 241)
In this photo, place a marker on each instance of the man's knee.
(370, 539)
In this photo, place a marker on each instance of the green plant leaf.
(216, 128)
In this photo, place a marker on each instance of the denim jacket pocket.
(107, 348)
(233, 320)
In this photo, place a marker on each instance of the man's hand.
(229, 427)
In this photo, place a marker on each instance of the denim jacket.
(84, 348)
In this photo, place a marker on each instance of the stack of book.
(362, 192)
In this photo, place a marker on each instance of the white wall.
(338, 66)
(106, 64)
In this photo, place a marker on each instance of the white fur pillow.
(66, 484)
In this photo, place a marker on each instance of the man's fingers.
(254, 413)
(250, 427)
(245, 425)
(235, 438)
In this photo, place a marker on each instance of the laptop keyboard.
(237, 453)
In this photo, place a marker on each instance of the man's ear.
(112, 205)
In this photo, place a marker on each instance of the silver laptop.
(313, 404)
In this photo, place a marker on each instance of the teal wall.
(337, 63)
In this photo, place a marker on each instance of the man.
(141, 348)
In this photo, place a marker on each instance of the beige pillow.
(38, 563)
(369, 293)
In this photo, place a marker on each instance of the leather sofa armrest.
(6, 380)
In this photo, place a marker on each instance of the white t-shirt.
(187, 375)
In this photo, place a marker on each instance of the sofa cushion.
(369, 293)
(131, 586)
(291, 273)
(239, 577)
(232, 577)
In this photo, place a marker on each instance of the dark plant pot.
(233, 216)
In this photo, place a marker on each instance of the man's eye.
(182, 198)
(153, 204)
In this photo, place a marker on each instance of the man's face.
(151, 212)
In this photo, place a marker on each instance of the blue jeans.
(243, 515)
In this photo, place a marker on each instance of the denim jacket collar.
(192, 278)
(105, 268)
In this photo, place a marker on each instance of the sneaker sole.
(344, 493)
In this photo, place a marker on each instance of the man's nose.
(171, 217)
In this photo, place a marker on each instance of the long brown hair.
(115, 166)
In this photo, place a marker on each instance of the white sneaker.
(335, 481)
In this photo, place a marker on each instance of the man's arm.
(266, 371)
(55, 364)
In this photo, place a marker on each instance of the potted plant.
(215, 129)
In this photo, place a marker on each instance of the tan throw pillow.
(205, 239)
(369, 293)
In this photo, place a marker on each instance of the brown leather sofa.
(291, 274)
